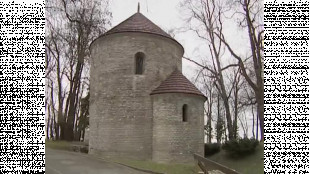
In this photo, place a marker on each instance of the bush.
(211, 149)
(241, 147)
(84, 149)
(57, 144)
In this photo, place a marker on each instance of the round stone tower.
(127, 63)
(178, 120)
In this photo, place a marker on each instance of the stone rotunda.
(141, 105)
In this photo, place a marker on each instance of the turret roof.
(177, 83)
(138, 23)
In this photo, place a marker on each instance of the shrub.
(240, 147)
(84, 149)
(61, 145)
(211, 149)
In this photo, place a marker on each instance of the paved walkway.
(65, 162)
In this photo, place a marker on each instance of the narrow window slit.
(139, 63)
(185, 113)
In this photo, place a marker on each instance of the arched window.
(139, 63)
(185, 113)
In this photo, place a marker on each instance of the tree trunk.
(257, 61)
(223, 92)
(209, 117)
(260, 108)
(228, 117)
(77, 109)
(257, 125)
(253, 116)
(209, 128)
(61, 130)
(69, 134)
(218, 127)
(48, 122)
(236, 109)
(225, 136)
(51, 127)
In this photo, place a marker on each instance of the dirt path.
(64, 162)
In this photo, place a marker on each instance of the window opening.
(185, 113)
(139, 63)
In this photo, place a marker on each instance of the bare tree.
(209, 17)
(251, 12)
(71, 27)
(220, 123)
(54, 47)
(235, 81)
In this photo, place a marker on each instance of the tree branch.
(200, 65)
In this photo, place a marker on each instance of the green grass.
(161, 168)
(61, 145)
(252, 164)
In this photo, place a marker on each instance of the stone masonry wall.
(120, 105)
(175, 141)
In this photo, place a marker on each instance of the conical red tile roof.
(177, 83)
(138, 23)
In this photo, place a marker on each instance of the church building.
(141, 105)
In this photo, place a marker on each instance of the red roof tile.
(177, 83)
(138, 23)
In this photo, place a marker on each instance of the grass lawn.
(61, 145)
(253, 164)
(161, 168)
